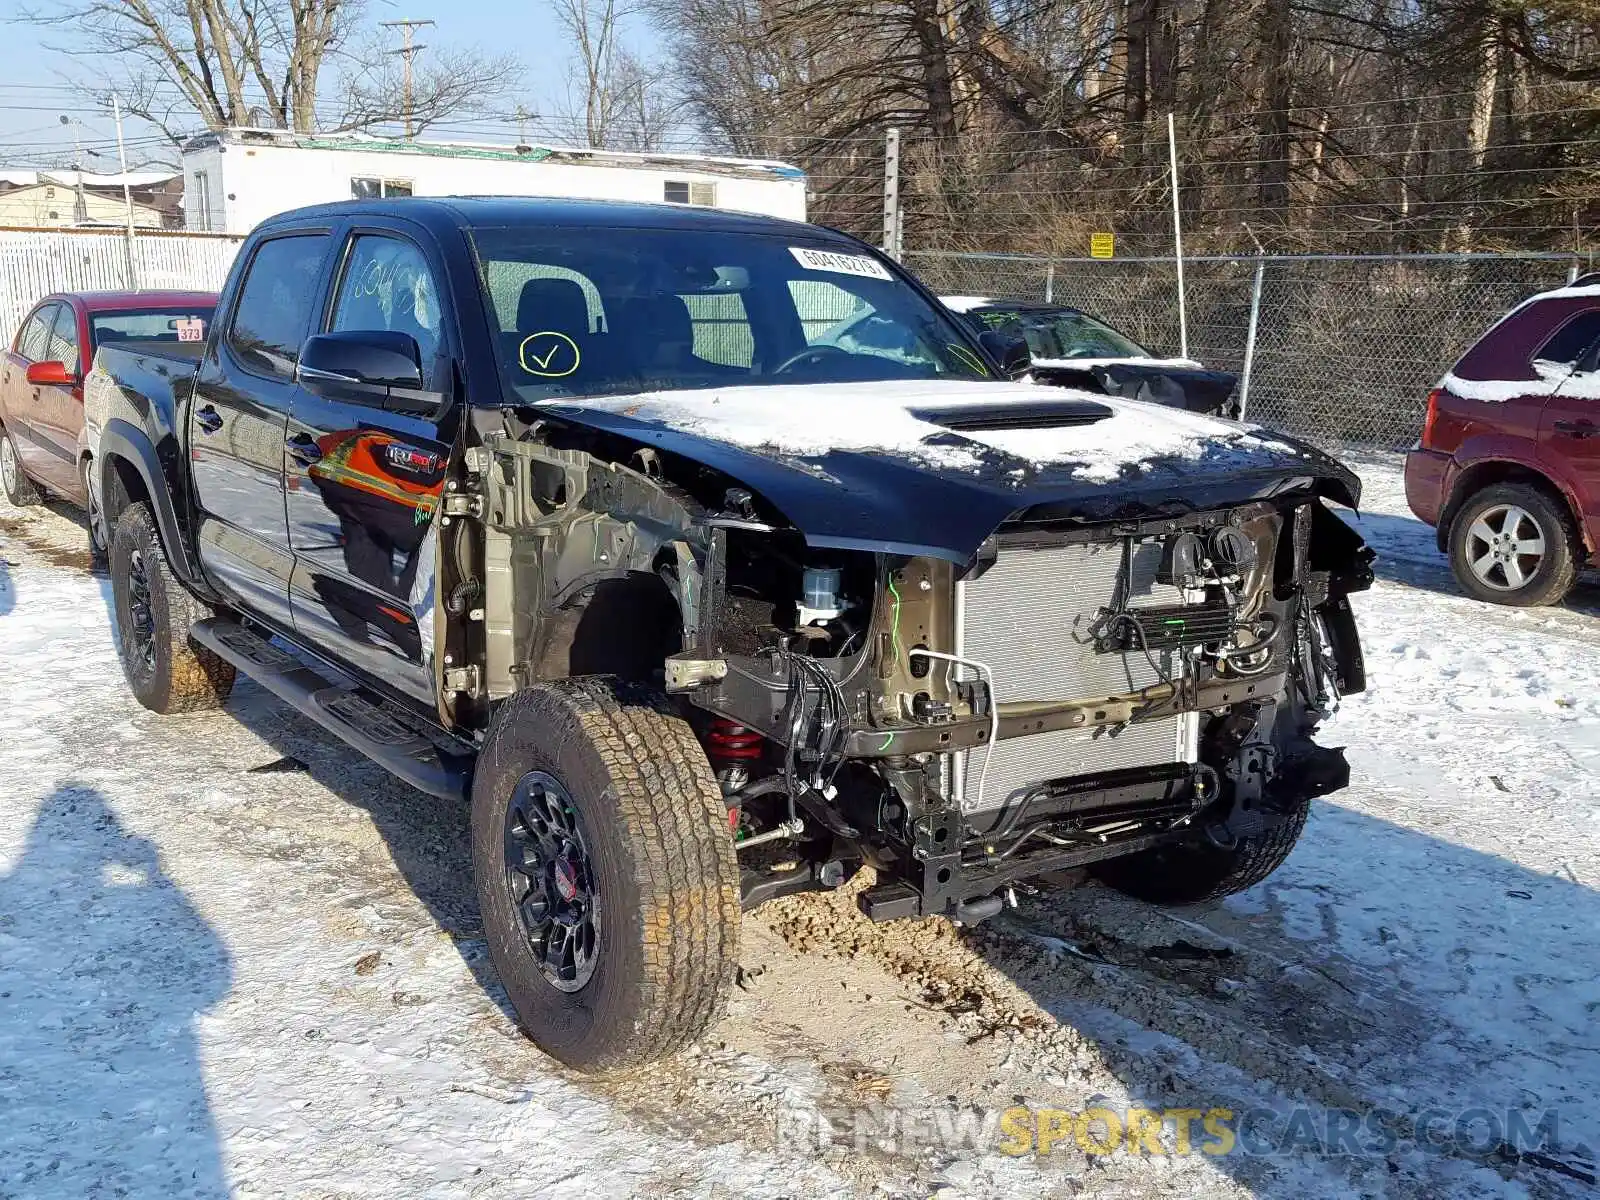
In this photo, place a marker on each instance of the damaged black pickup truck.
(580, 510)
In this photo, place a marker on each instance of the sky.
(37, 83)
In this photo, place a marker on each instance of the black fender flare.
(123, 440)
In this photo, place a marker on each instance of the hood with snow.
(934, 468)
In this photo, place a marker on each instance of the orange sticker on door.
(548, 354)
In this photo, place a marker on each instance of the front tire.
(165, 671)
(1194, 872)
(19, 489)
(605, 873)
(1513, 544)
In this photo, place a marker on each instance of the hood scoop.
(1041, 414)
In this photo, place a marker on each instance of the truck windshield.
(617, 311)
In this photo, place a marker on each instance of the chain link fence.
(1345, 347)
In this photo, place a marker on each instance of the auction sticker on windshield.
(839, 264)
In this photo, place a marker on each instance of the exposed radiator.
(1029, 618)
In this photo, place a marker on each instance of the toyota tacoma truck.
(568, 509)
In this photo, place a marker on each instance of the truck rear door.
(364, 480)
(237, 417)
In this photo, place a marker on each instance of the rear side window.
(1567, 344)
(35, 336)
(64, 341)
(273, 314)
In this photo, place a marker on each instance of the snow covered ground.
(234, 959)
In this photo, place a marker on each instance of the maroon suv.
(1508, 467)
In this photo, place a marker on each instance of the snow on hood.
(811, 420)
(1132, 360)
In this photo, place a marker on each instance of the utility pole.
(80, 213)
(522, 117)
(127, 189)
(408, 51)
(1177, 240)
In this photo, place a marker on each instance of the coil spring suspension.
(732, 748)
(730, 744)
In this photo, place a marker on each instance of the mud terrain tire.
(1194, 872)
(590, 792)
(166, 672)
(19, 489)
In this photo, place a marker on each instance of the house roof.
(32, 177)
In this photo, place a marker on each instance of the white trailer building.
(235, 178)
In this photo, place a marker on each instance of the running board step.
(388, 738)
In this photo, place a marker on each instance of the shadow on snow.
(104, 967)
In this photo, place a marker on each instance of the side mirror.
(1008, 350)
(51, 372)
(376, 367)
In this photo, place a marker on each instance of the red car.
(1508, 467)
(42, 441)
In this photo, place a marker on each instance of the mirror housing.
(1008, 350)
(52, 371)
(379, 367)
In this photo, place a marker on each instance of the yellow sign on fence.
(1102, 245)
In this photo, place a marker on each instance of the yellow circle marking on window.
(549, 361)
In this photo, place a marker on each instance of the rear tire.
(166, 672)
(1492, 527)
(19, 489)
(1194, 872)
(605, 873)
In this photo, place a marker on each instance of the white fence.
(36, 262)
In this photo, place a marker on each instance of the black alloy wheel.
(550, 874)
(141, 626)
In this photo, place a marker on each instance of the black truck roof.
(454, 212)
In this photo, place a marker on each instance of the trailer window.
(683, 192)
(370, 187)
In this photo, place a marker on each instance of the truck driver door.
(364, 480)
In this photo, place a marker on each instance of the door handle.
(1581, 428)
(303, 448)
(209, 419)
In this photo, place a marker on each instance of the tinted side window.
(64, 341)
(1569, 342)
(387, 285)
(274, 306)
(35, 336)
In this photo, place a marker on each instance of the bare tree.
(235, 62)
(594, 27)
